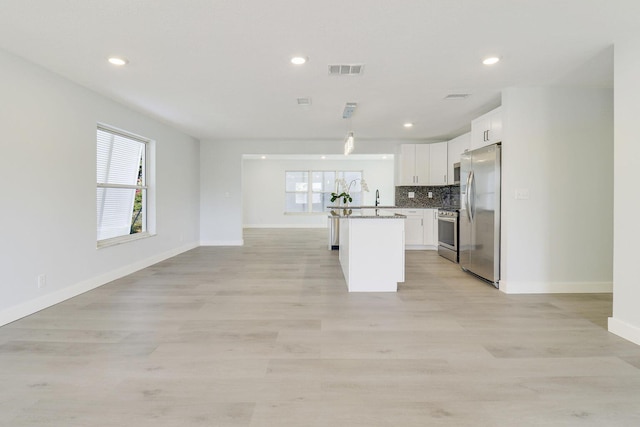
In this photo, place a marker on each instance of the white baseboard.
(285, 226)
(420, 248)
(555, 287)
(222, 242)
(33, 306)
(624, 330)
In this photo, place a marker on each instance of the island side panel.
(344, 247)
(376, 255)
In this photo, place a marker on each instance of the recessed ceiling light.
(323, 157)
(298, 60)
(263, 157)
(491, 60)
(116, 60)
(408, 125)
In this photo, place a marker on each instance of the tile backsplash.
(447, 195)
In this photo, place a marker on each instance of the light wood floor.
(266, 335)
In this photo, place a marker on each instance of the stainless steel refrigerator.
(480, 212)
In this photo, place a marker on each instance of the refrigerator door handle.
(468, 197)
(471, 202)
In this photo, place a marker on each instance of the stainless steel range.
(448, 233)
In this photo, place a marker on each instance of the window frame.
(145, 186)
(310, 192)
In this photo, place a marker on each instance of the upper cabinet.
(487, 129)
(455, 148)
(438, 163)
(423, 164)
(414, 164)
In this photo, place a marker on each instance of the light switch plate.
(42, 281)
(411, 195)
(522, 194)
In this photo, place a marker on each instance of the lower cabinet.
(413, 227)
(431, 228)
(420, 229)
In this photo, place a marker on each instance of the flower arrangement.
(341, 184)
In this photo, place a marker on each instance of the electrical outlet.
(430, 195)
(411, 194)
(42, 281)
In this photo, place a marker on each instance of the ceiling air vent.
(346, 69)
(349, 108)
(304, 101)
(457, 96)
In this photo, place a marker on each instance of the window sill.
(122, 239)
(305, 213)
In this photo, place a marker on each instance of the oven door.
(448, 233)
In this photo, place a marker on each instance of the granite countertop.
(362, 207)
(449, 208)
(364, 213)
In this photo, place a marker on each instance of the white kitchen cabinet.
(438, 163)
(423, 164)
(420, 228)
(455, 148)
(430, 228)
(414, 164)
(435, 229)
(413, 227)
(487, 129)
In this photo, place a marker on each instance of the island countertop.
(364, 213)
(362, 207)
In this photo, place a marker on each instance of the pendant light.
(349, 141)
(349, 144)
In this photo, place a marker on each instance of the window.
(310, 191)
(121, 193)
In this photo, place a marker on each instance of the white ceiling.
(219, 69)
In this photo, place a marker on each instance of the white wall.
(221, 175)
(263, 187)
(626, 296)
(47, 185)
(558, 146)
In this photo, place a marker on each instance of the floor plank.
(267, 335)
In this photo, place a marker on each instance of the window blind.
(120, 175)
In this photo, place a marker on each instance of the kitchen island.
(371, 250)
(334, 222)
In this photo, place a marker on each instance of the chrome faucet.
(377, 197)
